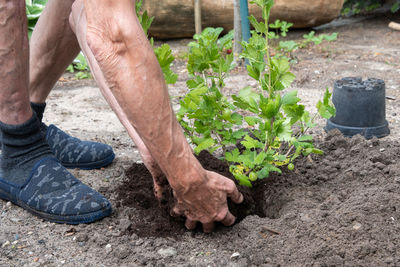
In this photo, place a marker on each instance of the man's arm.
(111, 32)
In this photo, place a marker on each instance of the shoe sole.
(92, 165)
(74, 220)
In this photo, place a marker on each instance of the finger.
(234, 193)
(190, 225)
(208, 227)
(175, 212)
(229, 219)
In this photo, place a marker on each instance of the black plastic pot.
(360, 108)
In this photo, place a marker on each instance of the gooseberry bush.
(261, 128)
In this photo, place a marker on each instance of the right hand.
(205, 201)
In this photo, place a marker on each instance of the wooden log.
(175, 18)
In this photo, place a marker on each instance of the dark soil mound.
(152, 218)
(335, 209)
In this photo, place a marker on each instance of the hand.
(206, 201)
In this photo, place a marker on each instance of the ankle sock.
(39, 108)
(23, 146)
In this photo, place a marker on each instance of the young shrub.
(262, 128)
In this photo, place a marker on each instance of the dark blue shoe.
(74, 153)
(52, 193)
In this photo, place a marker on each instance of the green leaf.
(253, 72)
(305, 138)
(251, 121)
(281, 64)
(239, 134)
(270, 107)
(232, 156)
(263, 173)
(249, 142)
(243, 179)
(204, 145)
(283, 129)
(287, 79)
(395, 7)
(260, 158)
(281, 158)
(258, 26)
(325, 109)
(290, 98)
(288, 46)
(309, 36)
(317, 151)
(276, 25)
(330, 38)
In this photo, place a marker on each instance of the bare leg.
(30, 176)
(53, 47)
(14, 53)
(130, 68)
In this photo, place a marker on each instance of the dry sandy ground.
(366, 48)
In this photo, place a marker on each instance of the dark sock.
(22, 147)
(39, 109)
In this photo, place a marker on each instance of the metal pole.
(244, 15)
(197, 16)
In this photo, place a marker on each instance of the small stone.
(167, 252)
(5, 244)
(41, 242)
(305, 218)
(82, 244)
(125, 225)
(8, 204)
(397, 179)
(82, 238)
(15, 220)
(108, 248)
(235, 256)
(357, 226)
(36, 259)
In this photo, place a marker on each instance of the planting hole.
(151, 218)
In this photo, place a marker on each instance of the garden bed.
(337, 208)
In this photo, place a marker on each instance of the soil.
(341, 208)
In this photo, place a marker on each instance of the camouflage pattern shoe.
(74, 153)
(54, 194)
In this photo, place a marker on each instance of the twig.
(266, 229)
